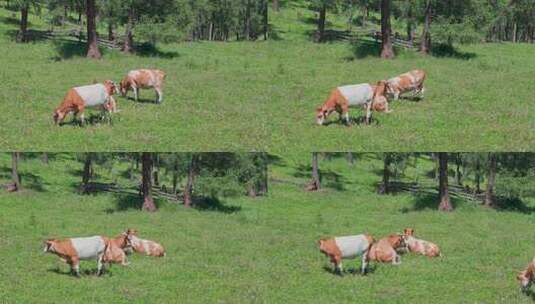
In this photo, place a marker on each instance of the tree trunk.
(445, 204)
(478, 177)
(490, 200)
(86, 174)
(92, 42)
(315, 184)
(44, 158)
(192, 172)
(350, 158)
(175, 176)
(514, 32)
(23, 31)
(365, 14)
(384, 187)
(156, 171)
(458, 174)
(410, 36)
(129, 41)
(321, 23)
(275, 5)
(247, 30)
(425, 44)
(111, 35)
(146, 183)
(265, 17)
(15, 177)
(387, 52)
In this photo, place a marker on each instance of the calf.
(342, 98)
(75, 249)
(527, 276)
(143, 79)
(79, 98)
(380, 101)
(114, 254)
(147, 247)
(384, 250)
(412, 81)
(347, 247)
(420, 246)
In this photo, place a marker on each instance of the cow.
(143, 246)
(344, 97)
(380, 99)
(384, 251)
(347, 247)
(78, 99)
(412, 81)
(73, 250)
(143, 79)
(420, 246)
(116, 248)
(527, 276)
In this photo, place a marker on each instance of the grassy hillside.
(213, 95)
(265, 251)
(478, 96)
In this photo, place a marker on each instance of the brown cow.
(146, 247)
(143, 79)
(527, 276)
(384, 250)
(420, 246)
(412, 81)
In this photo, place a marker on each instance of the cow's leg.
(422, 92)
(136, 92)
(396, 95)
(160, 94)
(100, 265)
(364, 263)
(344, 114)
(337, 261)
(368, 112)
(396, 260)
(75, 266)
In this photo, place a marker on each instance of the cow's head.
(381, 88)
(525, 278)
(408, 231)
(58, 116)
(131, 231)
(124, 86)
(111, 88)
(321, 114)
(397, 241)
(49, 245)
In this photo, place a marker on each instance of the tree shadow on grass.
(12, 21)
(150, 50)
(214, 204)
(329, 179)
(68, 49)
(128, 201)
(32, 35)
(449, 51)
(29, 181)
(513, 204)
(428, 201)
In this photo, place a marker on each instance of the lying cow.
(527, 276)
(347, 247)
(143, 79)
(73, 250)
(146, 247)
(385, 250)
(420, 246)
(91, 96)
(412, 81)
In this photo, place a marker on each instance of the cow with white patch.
(73, 250)
(419, 246)
(385, 250)
(412, 81)
(347, 247)
(143, 79)
(77, 99)
(527, 276)
(143, 246)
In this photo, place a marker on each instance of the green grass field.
(479, 99)
(213, 96)
(265, 251)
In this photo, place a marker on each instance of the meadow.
(479, 97)
(265, 250)
(212, 95)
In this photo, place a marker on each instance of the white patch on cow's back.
(93, 95)
(357, 95)
(89, 247)
(352, 246)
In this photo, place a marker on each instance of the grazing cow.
(527, 276)
(143, 79)
(114, 254)
(347, 247)
(420, 246)
(380, 100)
(79, 98)
(73, 250)
(147, 247)
(384, 250)
(412, 81)
(344, 97)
